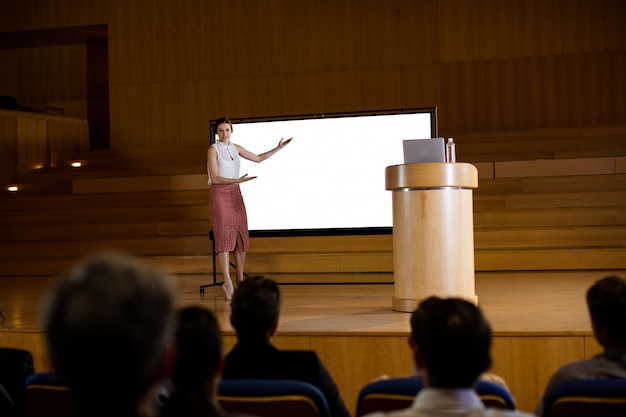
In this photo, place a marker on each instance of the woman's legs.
(223, 258)
(240, 259)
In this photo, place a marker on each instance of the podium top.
(431, 175)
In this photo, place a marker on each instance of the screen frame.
(348, 231)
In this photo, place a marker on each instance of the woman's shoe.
(227, 296)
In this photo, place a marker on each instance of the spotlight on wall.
(77, 164)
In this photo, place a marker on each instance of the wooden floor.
(539, 322)
(543, 303)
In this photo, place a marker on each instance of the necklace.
(228, 150)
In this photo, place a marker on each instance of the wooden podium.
(433, 231)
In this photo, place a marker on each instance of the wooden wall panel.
(379, 37)
(340, 34)
(266, 36)
(159, 40)
(570, 72)
(458, 30)
(196, 103)
(304, 49)
(462, 97)
(539, 99)
(162, 112)
(526, 363)
(232, 98)
(382, 88)
(540, 28)
(343, 91)
(421, 86)
(377, 357)
(195, 23)
(579, 26)
(498, 29)
(126, 44)
(127, 117)
(500, 108)
(20, 15)
(418, 32)
(268, 93)
(66, 140)
(39, 75)
(31, 144)
(66, 13)
(231, 43)
(612, 27)
(613, 93)
(9, 72)
(8, 148)
(305, 93)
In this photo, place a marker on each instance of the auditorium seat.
(272, 398)
(398, 393)
(597, 397)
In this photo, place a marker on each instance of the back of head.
(108, 325)
(454, 340)
(255, 307)
(199, 346)
(606, 300)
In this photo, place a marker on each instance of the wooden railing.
(32, 141)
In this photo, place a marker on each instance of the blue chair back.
(597, 397)
(48, 396)
(399, 393)
(272, 398)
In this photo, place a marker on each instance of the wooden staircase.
(547, 201)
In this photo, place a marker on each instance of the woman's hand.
(283, 142)
(245, 178)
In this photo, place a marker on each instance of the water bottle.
(450, 151)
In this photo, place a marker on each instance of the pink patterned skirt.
(229, 217)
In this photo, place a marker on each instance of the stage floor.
(547, 303)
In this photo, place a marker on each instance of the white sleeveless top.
(228, 161)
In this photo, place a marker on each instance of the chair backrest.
(16, 365)
(272, 398)
(606, 398)
(48, 396)
(398, 393)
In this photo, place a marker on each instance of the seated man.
(108, 328)
(255, 310)
(606, 301)
(451, 342)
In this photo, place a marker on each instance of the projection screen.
(331, 178)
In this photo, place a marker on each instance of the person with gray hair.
(108, 327)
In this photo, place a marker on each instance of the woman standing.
(228, 211)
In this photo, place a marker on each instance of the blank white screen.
(331, 175)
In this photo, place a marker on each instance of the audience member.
(198, 366)
(7, 407)
(451, 343)
(108, 327)
(255, 312)
(606, 302)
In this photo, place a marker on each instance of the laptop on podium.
(424, 150)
